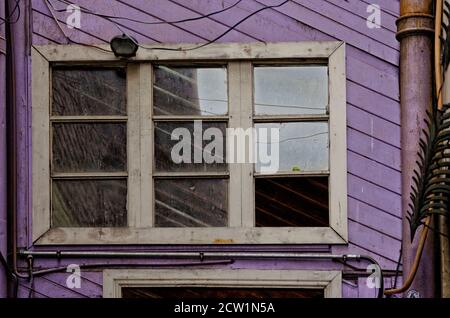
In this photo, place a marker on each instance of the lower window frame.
(116, 279)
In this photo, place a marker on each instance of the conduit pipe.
(59, 254)
(437, 52)
(409, 280)
(439, 98)
(12, 144)
(415, 32)
(201, 255)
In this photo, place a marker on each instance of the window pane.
(291, 202)
(89, 147)
(183, 153)
(190, 91)
(191, 203)
(89, 91)
(284, 90)
(89, 203)
(302, 146)
(189, 292)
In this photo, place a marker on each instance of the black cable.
(218, 37)
(7, 19)
(64, 287)
(30, 276)
(10, 273)
(373, 261)
(397, 268)
(146, 22)
(46, 271)
(51, 9)
(4, 263)
(184, 49)
(30, 289)
(434, 230)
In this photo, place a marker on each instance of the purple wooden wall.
(373, 109)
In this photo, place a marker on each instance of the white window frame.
(115, 279)
(241, 230)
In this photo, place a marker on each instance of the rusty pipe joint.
(415, 24)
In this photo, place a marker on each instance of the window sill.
(111, 236)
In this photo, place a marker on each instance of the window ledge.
(100, 236)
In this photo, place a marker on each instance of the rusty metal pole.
(415, 32)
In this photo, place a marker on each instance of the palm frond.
(430, 191)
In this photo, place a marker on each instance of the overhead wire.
(51, 9)
(148, 22)
(121, 29)
(7, 19)
(233, 27)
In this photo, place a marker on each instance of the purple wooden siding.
(372, 93)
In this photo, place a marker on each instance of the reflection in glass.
(89, 203)
(190, 91)
(89, 147)
(291, 202)
(191, 202)
(164, 146)
(302, 146)
(290, 90)
(88, 91)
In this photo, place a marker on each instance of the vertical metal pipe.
(3, 184)
(415, 33)
(11, 141)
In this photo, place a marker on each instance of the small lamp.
(124, 46)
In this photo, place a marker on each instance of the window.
(150, 151)
(240, 283)
(191, 193)
(88, 125)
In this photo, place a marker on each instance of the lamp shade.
(124, 46)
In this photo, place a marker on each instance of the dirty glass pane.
(290, 90)
(89, 147)
(88, 91)
(190, 91)
(89, 203)
(191, 203)
(301, 146)
(197, 146)
(188, 292)
(291, 202)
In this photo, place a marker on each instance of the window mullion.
(234, 109)
(247, 183)
(146, 215)
(133, 158)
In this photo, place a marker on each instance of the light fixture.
(124, 46)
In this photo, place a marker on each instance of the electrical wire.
(31, 290)
(233, 27)
(219, 36)
(147, 22)
(7, 19)
(397, 268)
(50, 8)
(381, 278)
(432, 229)
(72, 290)
(413, 271)
(4, 263)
